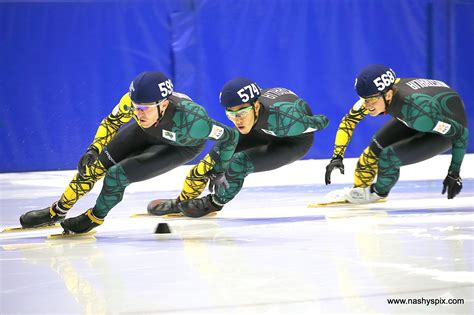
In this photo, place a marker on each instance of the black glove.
(453, 184)
(86, 160)
(216, 181)
(336, 162)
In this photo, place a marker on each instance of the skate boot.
(163, 206)
(82, 223)
(199, 207)
(42, 217)
(364, 195)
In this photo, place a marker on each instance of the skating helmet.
(239, 91)
(150, 87)
(374, 79)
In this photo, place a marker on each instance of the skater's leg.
(194, 184)
(392, 132)
(416, 149)
(196, 180)
(81, 185)
(257, 159)
(420, 147)
(263, 158)
(366, 168)
(154, 161)
(118, 149)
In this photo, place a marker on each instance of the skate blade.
(141, 215)
(168, 216)
(147, 215)
(71, 235)
(22, 229)
(338, 203)
(324, 204)
(335, 197)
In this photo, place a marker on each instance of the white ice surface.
(265, 253)
(305, 172)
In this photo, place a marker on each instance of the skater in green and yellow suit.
(276, 127)
(428, 119)
(167, 129)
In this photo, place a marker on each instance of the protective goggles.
(145, 107)
(371, 99)
(240, 113)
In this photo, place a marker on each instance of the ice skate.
(335, 197)
(43, 217)
(82, 223)
(199, 207)
(22, 229)
(363, 195)
(69, 234)
(161, 207)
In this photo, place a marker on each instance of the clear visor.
(240, 113)
(145, 107)
(371, 99)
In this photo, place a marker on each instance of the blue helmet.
(239, 91)
(374, 79)
(150, 87)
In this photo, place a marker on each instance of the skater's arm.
(204, 127)
(108, 128)
(346, 128)
(458, 149)
(224, 148)
(450, 128)
(288, 119)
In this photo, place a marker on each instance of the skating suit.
(429, 119)
(282, 134)
(130, 153)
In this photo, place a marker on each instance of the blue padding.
(66, 64)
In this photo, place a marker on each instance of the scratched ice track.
(265, 253)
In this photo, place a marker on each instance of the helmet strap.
(254, 113)
(160, 115)
(387, 104)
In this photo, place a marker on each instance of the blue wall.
(65, 64)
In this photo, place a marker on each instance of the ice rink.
(265, 253)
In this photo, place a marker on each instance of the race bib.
(442, 127)
(269, 132)
(216, 132)
(169, 135)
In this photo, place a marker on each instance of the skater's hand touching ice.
(453, 184)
